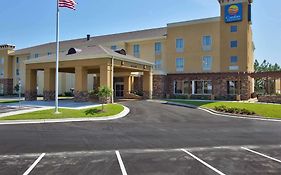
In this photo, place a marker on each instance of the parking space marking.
(34, 164)
(203, 162)
(121, 164)
(261, 154)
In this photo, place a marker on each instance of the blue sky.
(27, 23)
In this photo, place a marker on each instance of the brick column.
(49, 84)
(7, 86)
(81, 91)
(31, 85)
(147, 85)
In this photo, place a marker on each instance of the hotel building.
(208, 58)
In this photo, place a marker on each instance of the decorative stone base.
(7, 86)
(81, 96)
(147, 95)
(30, 95)
(49, 95)
(270, 99)
(219, 82)
(159, 88)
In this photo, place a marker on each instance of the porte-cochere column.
(147, 84)
(81, 90)
(49, 84)
(31, 85)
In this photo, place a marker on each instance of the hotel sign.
(233, 13)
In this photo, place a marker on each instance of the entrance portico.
(103, 62)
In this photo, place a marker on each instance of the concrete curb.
(124, 113)
(213, 112)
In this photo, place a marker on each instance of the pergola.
(103, 62)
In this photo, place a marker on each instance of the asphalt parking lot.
(154, 139)
(213, 160)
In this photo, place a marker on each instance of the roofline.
(112, 34)
(195, 21)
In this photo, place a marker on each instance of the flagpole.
(57, 61)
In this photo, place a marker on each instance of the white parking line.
(121, 164)
(204, 163)
(261, 154)
(34, 164)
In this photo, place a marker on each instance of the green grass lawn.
(110, 109)
(265, 110)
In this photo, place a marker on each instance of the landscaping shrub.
(234, 110)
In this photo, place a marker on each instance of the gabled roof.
(90, 52)
(97, 40)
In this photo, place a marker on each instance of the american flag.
(67, 3)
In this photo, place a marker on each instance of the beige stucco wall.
(193, 51)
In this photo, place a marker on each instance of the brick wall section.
(219, 81)
(159, 86)
(8, 86)
(270, 99)
(30, 95)
(49, 95)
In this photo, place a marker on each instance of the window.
(36, 55)
(49, 53)
(233, 67)
(17, 60)
(233, 29)
(207, 63)
(114, 47)
(178, 87)
(207, 43)
(179, 45)
(233, 59)
(1, 60)
(1, 72)
(232, 87)
(158, 48)
(28, 57)
(202, 87)
(136, 49)
(179, 64)
(17, 72)
(182, 87)
(234, 44)
(158, 64)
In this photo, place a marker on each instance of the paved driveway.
(153, 139)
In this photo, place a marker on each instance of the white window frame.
(205, 46)
(1, 61)
(1, 72)
(158, 48)
(206, 64)
(158, 64)
(136, 52)
(203, 87)
(36, 55)
(233, 68)
(181, 67)
(180, 49)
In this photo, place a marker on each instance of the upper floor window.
(1, 72)
(136, 49)
(36, 55)
(179, 45)
(233, 59)
(207, 63)
(114, 47)
(49, 53)
(17, 60)
(158, 64)
(158, 48)
(28, 57)
(17, 72)
(207, 43)
(1, 60)
(233, 28)
(179, 64)
(234, 44)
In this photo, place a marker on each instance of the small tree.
(104, 93)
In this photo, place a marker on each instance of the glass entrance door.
(119, 90)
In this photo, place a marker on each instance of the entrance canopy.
(96, 59)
